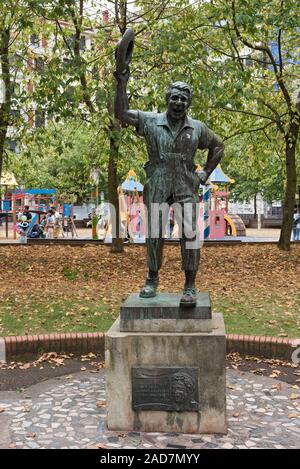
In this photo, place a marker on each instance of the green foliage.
(234, 88)
(61, 156)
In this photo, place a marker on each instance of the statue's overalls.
(171, 178)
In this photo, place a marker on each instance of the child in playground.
(50, 222)
(296, 225)
(24, 213)
(57, 222)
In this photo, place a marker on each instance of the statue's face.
(178, 104)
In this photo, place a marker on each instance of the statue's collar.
(162, 120)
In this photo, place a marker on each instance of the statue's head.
(178, 97)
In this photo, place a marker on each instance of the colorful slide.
(236, 224)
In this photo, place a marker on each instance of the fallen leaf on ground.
(97, 446)
(295, 396)
(236, 414)
(277, 386)
(100, 403)
(293, 415)
(275, 374)
(2, 409)
(229, 386)
(30, 435)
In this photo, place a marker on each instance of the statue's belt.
(167, 156)
(174, 159)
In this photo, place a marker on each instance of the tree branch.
(278, 117)
(82, 76)
(267, 50)
(279, 52)
(258, 129)
(64, 38)
(245, 112)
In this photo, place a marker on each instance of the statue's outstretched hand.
(203, 176)
(124, 76)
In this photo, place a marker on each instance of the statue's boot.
(149, 289)
(189, 295)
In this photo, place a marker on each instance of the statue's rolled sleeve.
(141, 123)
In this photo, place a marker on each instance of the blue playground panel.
(6, 205)
(67, 210)
(36, 191)
(34, 220)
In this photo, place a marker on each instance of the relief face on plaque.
(165, 388)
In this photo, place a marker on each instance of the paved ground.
(69, 412)
(19, 375)
(253, 235)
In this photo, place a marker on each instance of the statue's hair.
(181, 86)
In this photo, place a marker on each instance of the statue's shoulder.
(149, 120)
(197, 124)
(149, 115)
(146, 122)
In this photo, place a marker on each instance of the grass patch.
(256, 288)
(61, 316)
(250, 317)
(70, 274)
(245, 316)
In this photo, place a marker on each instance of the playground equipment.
(221, 222)
(214, 222)
(8, 184)
(39, 202)
(131, 208)
(206, 210)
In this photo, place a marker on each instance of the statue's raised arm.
(123, 56)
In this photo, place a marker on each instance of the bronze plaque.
(165, 388)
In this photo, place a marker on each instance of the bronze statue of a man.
(172, 139)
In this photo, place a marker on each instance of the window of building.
(39, 120)
(70, 41)
(15, 113)
(39, 64)
(34, 40)
(82, 43)
(66, 61)
(12, 145)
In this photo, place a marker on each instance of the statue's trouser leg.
(155, 253)
(189, 239)
(157, 219)
(154, 240)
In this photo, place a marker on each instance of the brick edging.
(85, 342)
(80, 342)
(262, 346)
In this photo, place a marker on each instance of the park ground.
(79, 289)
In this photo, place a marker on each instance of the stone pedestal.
(163, 314)
(160, 379)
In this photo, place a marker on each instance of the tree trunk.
(290, 190)
(5, 106)
(255, 206)
(2, 140)
(113, 196)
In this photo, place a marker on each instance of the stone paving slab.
(69, 412)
